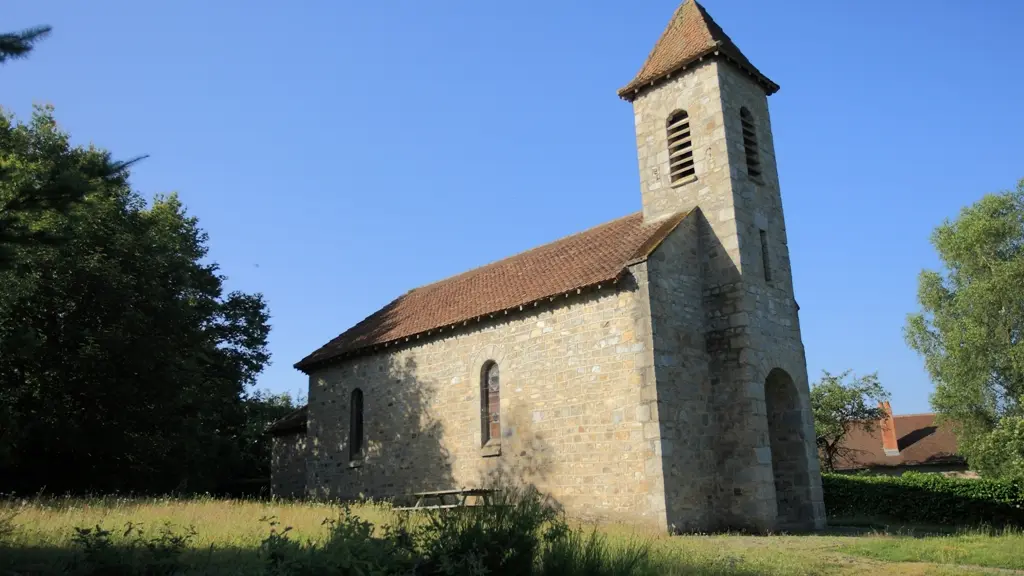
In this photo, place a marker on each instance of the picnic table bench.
(442, 499)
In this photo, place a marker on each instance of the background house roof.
(919, 438)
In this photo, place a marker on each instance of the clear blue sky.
(341, 153)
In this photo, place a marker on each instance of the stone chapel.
(647, 370)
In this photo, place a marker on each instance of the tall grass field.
(122, 536)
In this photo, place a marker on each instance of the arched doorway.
(789, 450)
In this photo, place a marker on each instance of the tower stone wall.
(741, 359)
(687, 425)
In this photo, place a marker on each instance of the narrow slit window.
(490, 402)
(355, 425)
(764, 257)
(750, 144)
(680, 148)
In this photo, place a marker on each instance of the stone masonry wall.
(577, 410)
(687, 421)
(767, 326)
(288, 465)
(696, 91)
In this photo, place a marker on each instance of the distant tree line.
(124, 365)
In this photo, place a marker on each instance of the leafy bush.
(133, 551)
(504, 538)
(522, 533)
(925, 499)
(1000, 453)
(350, 548)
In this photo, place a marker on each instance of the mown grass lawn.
(1004, 550)
(228, 534)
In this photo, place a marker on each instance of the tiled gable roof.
(691, 34)
(919, 438)
(598, 255)
(293, 422)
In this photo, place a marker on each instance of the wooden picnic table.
(460, 496)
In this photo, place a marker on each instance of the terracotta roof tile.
(920, 440)
(598, 255)
(690, 35)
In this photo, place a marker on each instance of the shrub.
(522, 533)
(1000, 453)
(134, 553)
(350, 548)
(925, 499)
(506, 537)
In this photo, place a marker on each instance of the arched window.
(355, 425)
(490, 401)
(680, 148)
(750, 144)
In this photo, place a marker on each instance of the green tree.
(123, 363)
(840, 406)
(66, 183)
(1000, 453)
(969, 330)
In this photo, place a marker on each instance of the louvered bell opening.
(750, 145)
(680, 148)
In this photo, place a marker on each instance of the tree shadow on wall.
(527, 456)
(406, 441)
(403, 448)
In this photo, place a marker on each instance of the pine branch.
(16, 45)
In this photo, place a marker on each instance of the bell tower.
(704, 138)
(704, 142)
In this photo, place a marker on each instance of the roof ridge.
(664, 33)
(690, 36)
(527, 251)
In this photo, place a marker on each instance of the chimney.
(888, 425)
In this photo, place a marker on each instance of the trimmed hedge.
(925, 499)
